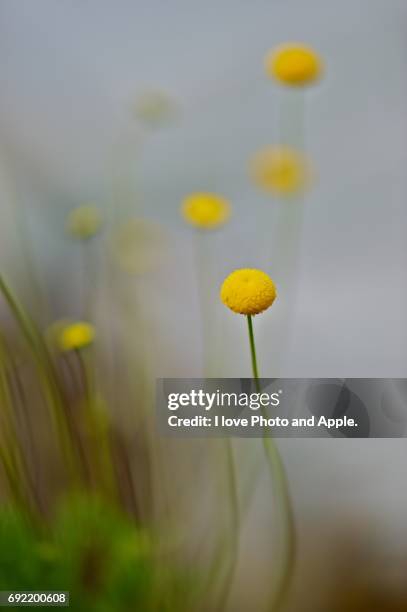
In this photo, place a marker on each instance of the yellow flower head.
(294, 65)
(155, 108)
(84, 222)
(139, 246)
(205, 210)
(281, 171)
(248, 291)
(76, 336)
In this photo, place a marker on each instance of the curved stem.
(288, 536)
(234, 531)
(46, 370)
(282, 497)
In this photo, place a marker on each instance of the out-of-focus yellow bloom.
(248, 291)
(205, 210)
(294, 64)
(54, 331)
(281, 171)
(139, 246)
(155, 108)
(76, 336)
(84, 222)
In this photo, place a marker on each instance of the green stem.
(286, 240)
(45, 369)
(292, 119)
(232, 533)
(202, 276)
(288, 535)
(253, 352)
(282, 497)
(98, 426)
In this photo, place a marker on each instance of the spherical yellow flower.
(294, 65)
(281, 171)
(205, 210)
(248, 291)
(139, 246)
(76, 336)
(84, 222)
(155, 108)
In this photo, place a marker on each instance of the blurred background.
(131, 106)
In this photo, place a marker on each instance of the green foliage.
(93, 551)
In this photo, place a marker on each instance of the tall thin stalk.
(231, 536)
(46, 372)
(282, 498)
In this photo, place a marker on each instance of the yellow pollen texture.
(248, 291)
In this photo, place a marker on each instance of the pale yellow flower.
(139, 246)
(155, 108)
(84, 222)
(281, 171)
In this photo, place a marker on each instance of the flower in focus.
(294, 65)
(248, 291)
(205, 210)
(84, 222)
(76, 336)
(155, 108)
(139, 246)
(281, 171)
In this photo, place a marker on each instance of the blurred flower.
(282, 171)
(155, 108)
(54, 331)
(76, 336)
(205, 210)
(138, 246)
(295, 65)
(84, 222)
(248, 291)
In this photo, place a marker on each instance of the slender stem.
(45, 368)
(99, 438)
(232, 535)
(286, 242)
(282, 497)
(292, 119)
(253, 352)
(202, 276)
(287, 533)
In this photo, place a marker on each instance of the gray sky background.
(70, 71)
(69, 76)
